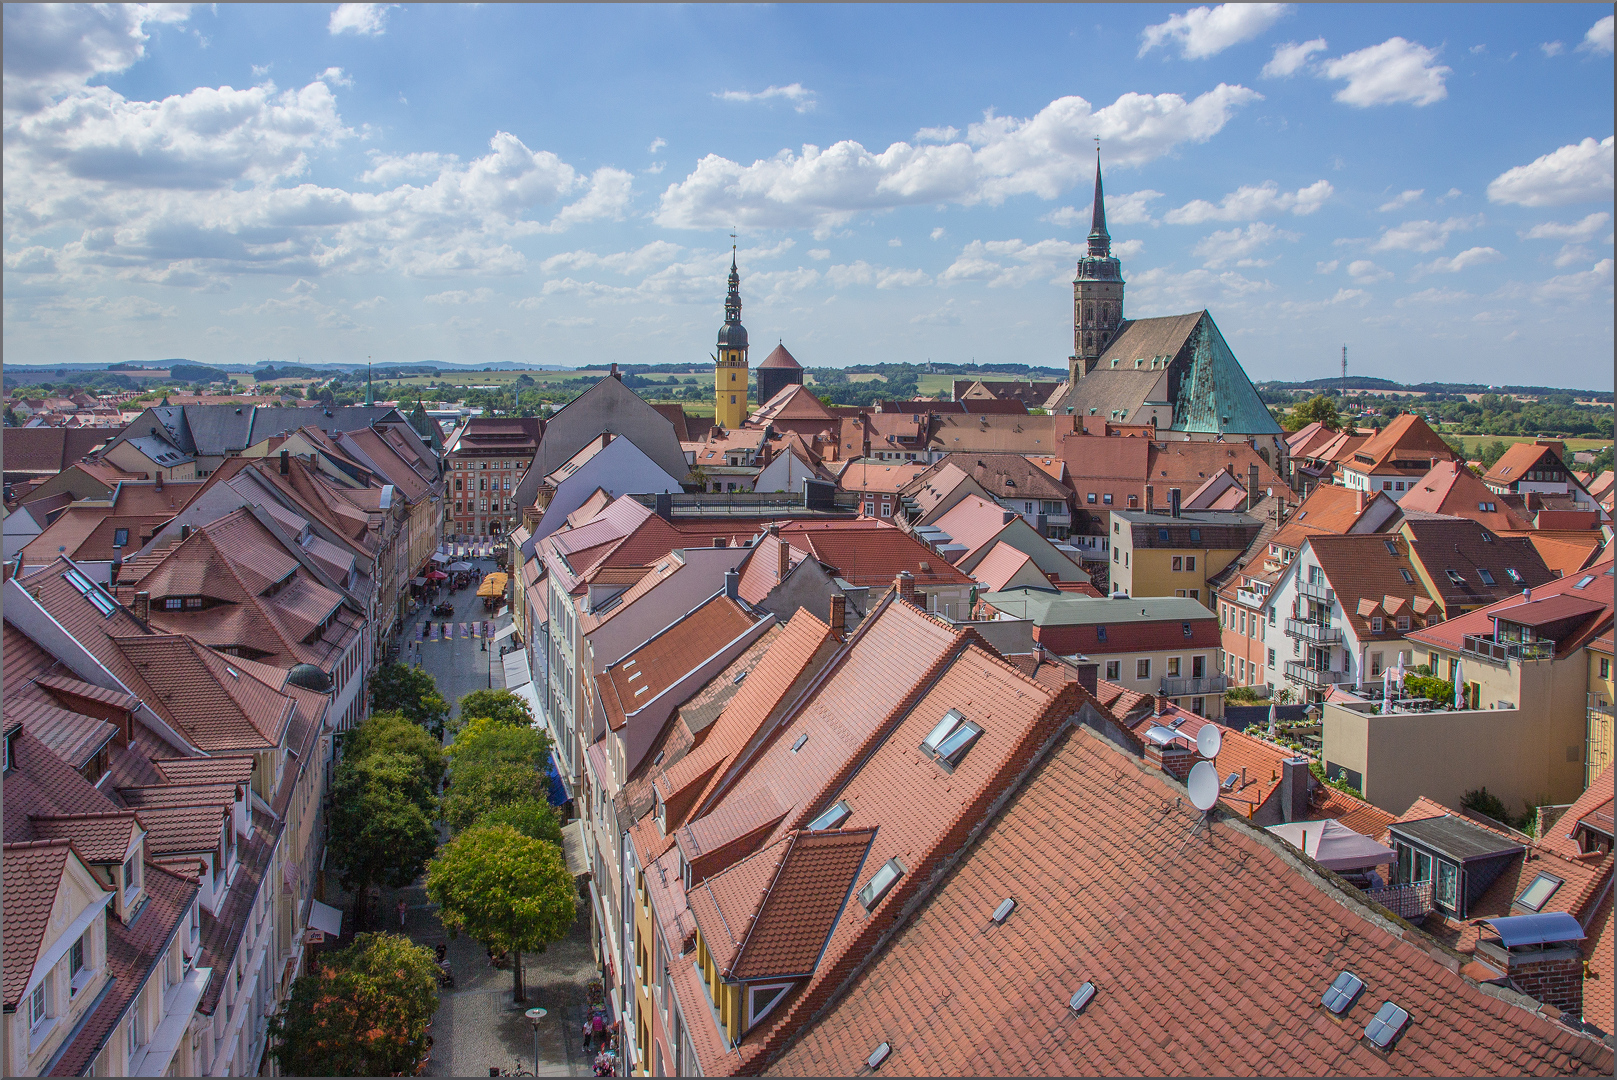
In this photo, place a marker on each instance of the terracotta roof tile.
(1595, 804)
(33, 871)
(99, 838)
(641, 676)
(1451, 633)
(1092, 848)
(216, 710)
(71, 736)
(1406, 436)
(184, 830)
(869, 553)
(1597, 951)
(223, 769)
(1000, 565)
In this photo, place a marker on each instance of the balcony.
(1319, 633)
(1173, 687)
(1412, 902)
(1319, 678)
(1503, 652)
(1316, 591)
(1251, 598)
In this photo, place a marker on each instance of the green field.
(1472, 442)
(933, 385)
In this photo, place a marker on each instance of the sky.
(1430, 186)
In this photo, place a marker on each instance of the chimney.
(143, 605)
(185, 533)
(839, 614)
(1251, 486)
(904, 582)
(1551, 973)
(665, 505)
(616, 374)
(1295, 781)
(1173, 501)
(732, 584)
(286, 462)
(1007, 517)
(1088, 677)
(1358, 501)
(784, 565)
(1038, 654)
(157, 480)
(1150, 497)
(1174, 759)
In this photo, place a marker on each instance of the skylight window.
(878, 1056)
(91, 592)
(1185, 627)
(1536, 895)
(949, 740)
(1409, 579)
(1100, 633)
(1162, 534)
(1081, 997)
(1341, 994)
(798, 745)
(1003, 912)
(1392, 548)
(1196, 535)
(1583, 582)
(881, 883)
(1486, 576)
(1455, 576)
(950, 721)
(738, 678)
(1384, 1028)
(832, 818)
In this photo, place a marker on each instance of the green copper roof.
(1215, 396)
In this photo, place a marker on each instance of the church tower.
(730, 361)
(1097, 293)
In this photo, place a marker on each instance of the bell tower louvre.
(1097, 293)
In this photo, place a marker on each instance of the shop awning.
(505, 631)
(572, 845)
(438, 556)
(325, 918)
(418, 581)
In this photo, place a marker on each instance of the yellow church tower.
(730, 361)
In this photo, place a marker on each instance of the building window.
(1190, 562)
(1376, 624)
(1178, 564)
(1108, 498)
(1090, 498)
(1173, 667)
(1142, 669)
(36, 1008)
(1114, 670)
(1605, 668)
(1271, 658)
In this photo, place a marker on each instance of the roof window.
(948, 741)
(950, 721)
(1100, 633)
(1162, 534)
(1513, 575)
(1486, 576)
(1386, 1025)
(1487, 537)
(1584, 581)
(1392, 548)
(832, 818)
(798, 745)
(1341, 994)
(90, 591)
(1081, 997)
(1409, 579)
(881, 883)
(878, 1055)
(1196, 535)
(1536, 895)
(1003, 912)
(737, 680)
(1455, 576)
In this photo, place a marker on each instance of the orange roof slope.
(1596, 586)
(1516, 461)
(1406, 436)
(667, 658)
(870, 552)
(1452, 489)
(1097, 853)
(1594, 804)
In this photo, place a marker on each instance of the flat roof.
(1047, 608)
(1457, 838)
(1187, 517)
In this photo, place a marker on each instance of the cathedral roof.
(780, 358)
(1146, 339)
(1104, 391)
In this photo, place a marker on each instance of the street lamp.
(534, 1016)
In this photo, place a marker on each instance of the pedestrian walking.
(402, 911)
(587, 1033)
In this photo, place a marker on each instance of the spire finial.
(1100, 241)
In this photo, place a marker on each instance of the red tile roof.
(1451, 634)
(878, 477)
(1517, 460)
(1000, 565)
(1452, 489)
(1594, 804)
(869, 552)
(1597, 993)
(641, 676)
(33, 871)
(1406, 437)
(1093, 848)
(99, 838)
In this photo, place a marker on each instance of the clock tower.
(1097, 293)
(730, 361)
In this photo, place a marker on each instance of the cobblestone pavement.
(478, 1026)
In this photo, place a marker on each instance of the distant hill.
(1361, 382)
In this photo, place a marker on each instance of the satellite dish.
(1203, 785)
(1208, 741)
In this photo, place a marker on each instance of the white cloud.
(1203, 32)
(1422, 235)
(1577, 232)
(457, 297)
(943, 316)
(51, 49)
(658, 253)
(895, 242)
(1127, 249)
(656, 144)
(1398, 202)
(1598, 39)
(334, 76)
(608, 196)
(391, 168)
(1552, 48)
(1580, 172)
(1595, 281)
(261, 70)
(1349, 296)
(1013, 263)
(1386, 74)
(570, 321)
(1291, 58)
(1572, 255)
(1327, 267)
(1130, 209)
(937, 134)
(1248, 203)
(1466, 259)
(369, 20)
(883, 277)
(999, 157)
(937, 233)
(1451, 193)
(1364, 272)
(1434, 296)
(802, 99)
(1239, 246)
(821, 254)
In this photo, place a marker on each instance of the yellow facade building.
(1598, 739)
(730, 360)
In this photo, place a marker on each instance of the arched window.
(1089, 314)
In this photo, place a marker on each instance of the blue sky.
(1429, 185)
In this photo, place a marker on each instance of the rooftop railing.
(1502, 652)
(1178, 687)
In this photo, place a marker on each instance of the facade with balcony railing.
(1316, 678)
(1494, 651)
(1597, 753)
(1319, 633)
(1186, 687)
(1316, 590)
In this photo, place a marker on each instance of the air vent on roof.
(878, 1056)
(737, 680)
(1341, 994)
(798, 745)
(832, 818)
(1003, 912)
(1384, 1028)
(1081, 997)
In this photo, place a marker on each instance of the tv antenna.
(1344, 372)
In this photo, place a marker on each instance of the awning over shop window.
(572, 845)
(325, 918)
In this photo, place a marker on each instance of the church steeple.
(730, 361)
(1100, 241)
(1097, 292)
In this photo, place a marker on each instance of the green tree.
(411, 691)
(380, 834)
(501, 706)
(507, 890)
(1490, 453)
(530, 817)
(395, 733)
(365, 1013)
(476, 787)
(1317, 408)
(485, 742)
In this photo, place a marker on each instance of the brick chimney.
(1251, 486)
(157, 480)
(1551, 973)
(904, 582)
(1295, 780)
(784, 564)
(1175, 759)
(143, 605)
(1150, 497)
(839, 614)
(286, 462)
